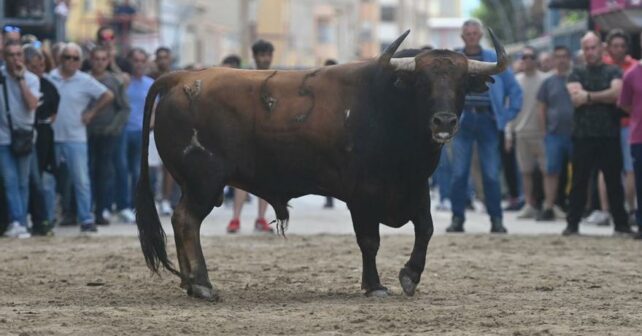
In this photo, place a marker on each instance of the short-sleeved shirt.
(111, 119)
(526, 124)
(626, 64)
(21, 116)
(631, 96)
(596, 119)
(559, 107)
(76, 93)
(137, 92)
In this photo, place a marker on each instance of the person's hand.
(579, 97)
(508, 144)
(19, 70)
(88, 116)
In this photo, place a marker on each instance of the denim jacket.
(505, 87)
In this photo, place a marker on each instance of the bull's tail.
(150, 232)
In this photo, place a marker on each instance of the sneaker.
(165, 208)
(106, 214)
(638, 236)
(545, 215)
(456, 226)
(514, 204)
(15, 230)
(127, 216)
(527, 212)
(261, 225)
(234, 226)
(599, 218)
(444, 205)
(88, 228)
(558, 212)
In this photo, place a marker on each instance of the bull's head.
(442, 78)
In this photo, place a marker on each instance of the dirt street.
(473, 285)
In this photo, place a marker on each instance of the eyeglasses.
(69, 57)
(16, 54)
(525, 57)
(11, 29)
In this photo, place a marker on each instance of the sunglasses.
(72, 58)
(525, 57)
(11, 29)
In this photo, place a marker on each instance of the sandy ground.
(473, 285)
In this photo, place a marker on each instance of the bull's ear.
(478, 83)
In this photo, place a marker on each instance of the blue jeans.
(127, 166)
(480, 128)
(74, 154)
(15, 176)
(49, 192)
(558, 150)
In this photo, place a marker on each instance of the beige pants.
(531, 153)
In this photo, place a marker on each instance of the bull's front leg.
(367, 232)
(410, 274)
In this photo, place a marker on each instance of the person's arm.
(513, 92)
(29, 87)
(541, 109)
(625, 100)
(608, 96)
(105, 98)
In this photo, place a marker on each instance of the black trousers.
(588, 155)
(509, 166)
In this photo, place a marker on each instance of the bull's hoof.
(378, 293)
(202, 292)
(407, 281)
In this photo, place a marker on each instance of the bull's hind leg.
(186, 220)
(367, 231)
(410, 274)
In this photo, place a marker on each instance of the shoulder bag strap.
(3, 79)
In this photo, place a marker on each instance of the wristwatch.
(19, 78)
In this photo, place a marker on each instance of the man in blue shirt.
(130, 147)
(483, 116)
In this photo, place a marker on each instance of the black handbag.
(21, 139)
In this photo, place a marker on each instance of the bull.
(369, 134)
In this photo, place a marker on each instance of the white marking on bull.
(347, 112)
(195, 144)
(193, 91)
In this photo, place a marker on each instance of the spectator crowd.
(564, 132)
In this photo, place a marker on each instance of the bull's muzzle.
(443, 126)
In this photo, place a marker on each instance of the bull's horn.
(405, 63)
(490, 68)
(392, 48)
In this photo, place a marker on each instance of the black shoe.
(514, 205)
(545, 215)
(100, 220)
(571, 231)
(638, 236)
(457, 225)
(496, 226)
(89, 227)
(623, 231)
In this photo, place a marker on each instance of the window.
(388, 13)
(27, 9)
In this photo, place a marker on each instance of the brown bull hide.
(346, 131)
